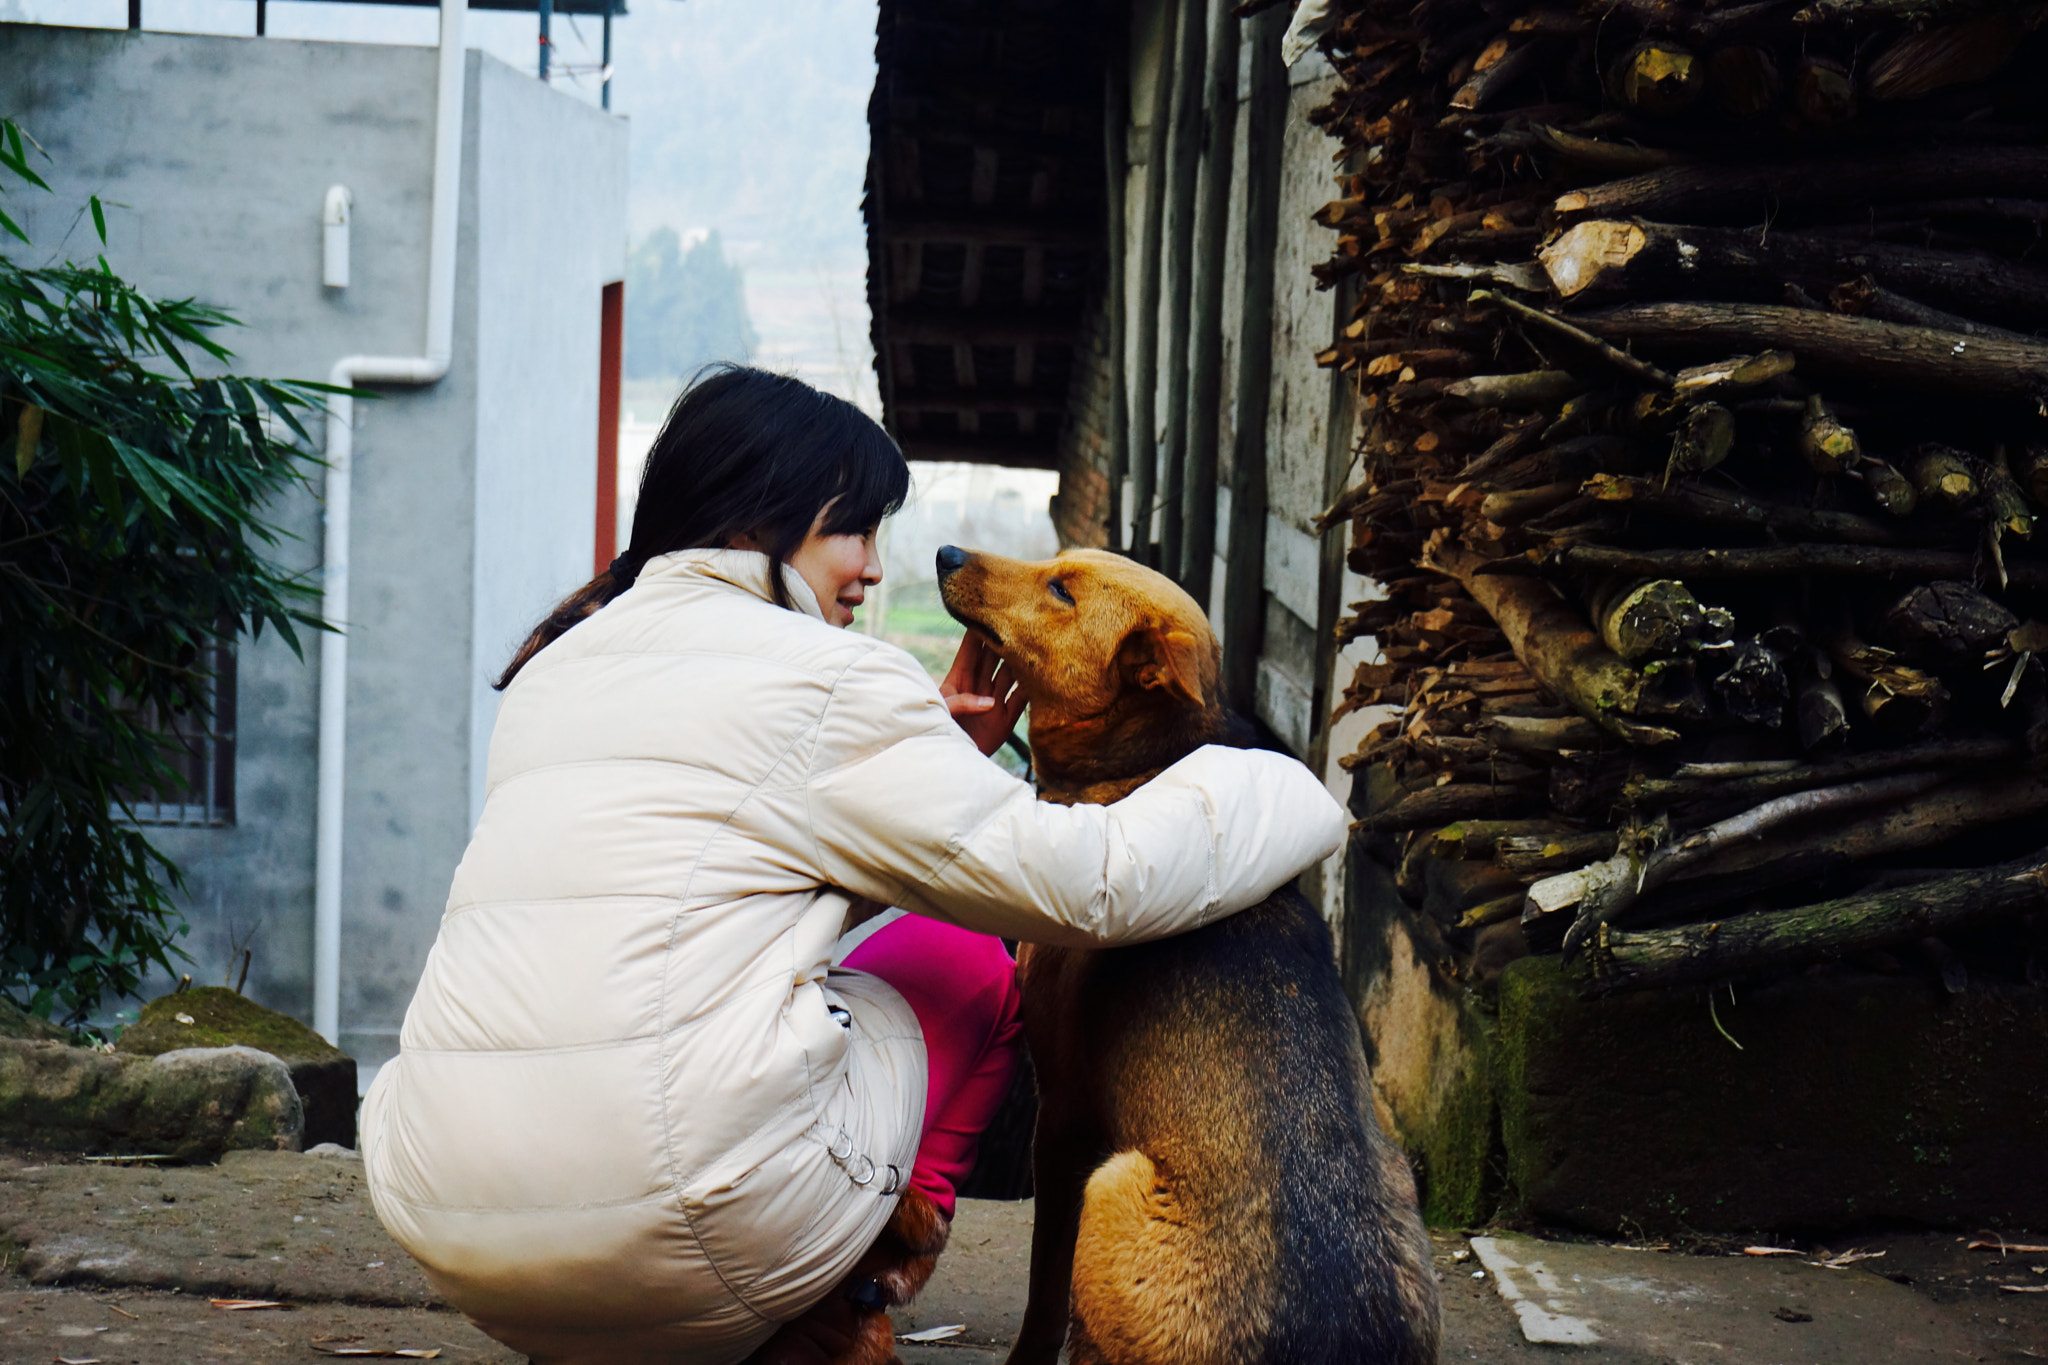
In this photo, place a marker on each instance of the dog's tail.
(1149, 1285)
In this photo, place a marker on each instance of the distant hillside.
(750, 118)
(685, 307)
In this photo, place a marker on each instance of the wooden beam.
(1244, 584)
(1145, 369)
(1014, 229)
(921, 314)
(952, 132)
(1875, 352)
(1775, 940)
(1212, 223)
(1116, 134)
(980, 403)
(970, 275)
(966, 330)
(1744, 193)
(966, 450)
(1184, 138)
(1031, 287)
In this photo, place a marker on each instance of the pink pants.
(963, 988)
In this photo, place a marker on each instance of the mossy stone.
(1429, 1043)
(194, 1104)
(16, 1022)
(1829, 1100)
(324, 1074)
(1456, 1141)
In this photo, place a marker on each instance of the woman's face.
(840, 569)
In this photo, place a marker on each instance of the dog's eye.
(1059, 590)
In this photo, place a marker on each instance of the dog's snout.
(951, 559)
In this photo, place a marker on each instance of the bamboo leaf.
(283, 411)
(191, 491)
(146, 532)
(170, 348)
(15, 158)
(28, 433)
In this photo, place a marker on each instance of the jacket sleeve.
(904, 808)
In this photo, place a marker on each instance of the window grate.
(202, 746)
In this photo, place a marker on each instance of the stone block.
(214, 1016)
(1852, 1099)
(194, 1104)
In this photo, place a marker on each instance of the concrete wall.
(500, 505)
(222, 202)
(553, 174)
(473, 497)
(406, 790)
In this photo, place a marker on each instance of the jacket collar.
(746, 570)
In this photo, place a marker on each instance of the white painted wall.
(551, 185)
(473, 497)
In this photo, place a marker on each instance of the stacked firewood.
(1705, 433)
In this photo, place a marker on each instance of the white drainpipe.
(348, 372)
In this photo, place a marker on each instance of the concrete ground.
(119, 1264)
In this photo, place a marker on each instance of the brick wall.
(1080, 510)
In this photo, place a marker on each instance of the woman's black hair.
(745, 453)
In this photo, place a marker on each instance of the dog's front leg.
(1063, 1151)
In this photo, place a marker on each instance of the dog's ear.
(1160, 656)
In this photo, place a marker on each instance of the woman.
(638, 1115)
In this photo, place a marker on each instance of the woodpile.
(1705, 435)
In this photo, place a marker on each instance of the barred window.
(202, 752)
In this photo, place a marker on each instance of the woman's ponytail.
(571, 609)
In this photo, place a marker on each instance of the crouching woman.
(639, 1113)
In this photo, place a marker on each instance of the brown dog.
(1211, 1185)
(851, 1325)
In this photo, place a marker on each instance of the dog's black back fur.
(1250, 1020)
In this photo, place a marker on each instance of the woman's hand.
(982, 694)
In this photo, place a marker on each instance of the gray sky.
(748, 117)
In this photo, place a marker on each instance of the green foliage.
(130, 535)
(684, 309)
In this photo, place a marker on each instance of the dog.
(1212, 1187)
(851, 1325)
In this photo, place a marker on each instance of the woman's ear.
(745, 541)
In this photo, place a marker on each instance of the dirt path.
(117, 1264)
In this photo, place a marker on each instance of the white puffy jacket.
(636, 1115)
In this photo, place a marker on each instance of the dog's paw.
(919, 1224)
(904, 1256)
(838, 1330)
(851, 1326)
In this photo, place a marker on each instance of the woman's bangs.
(874, 480)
